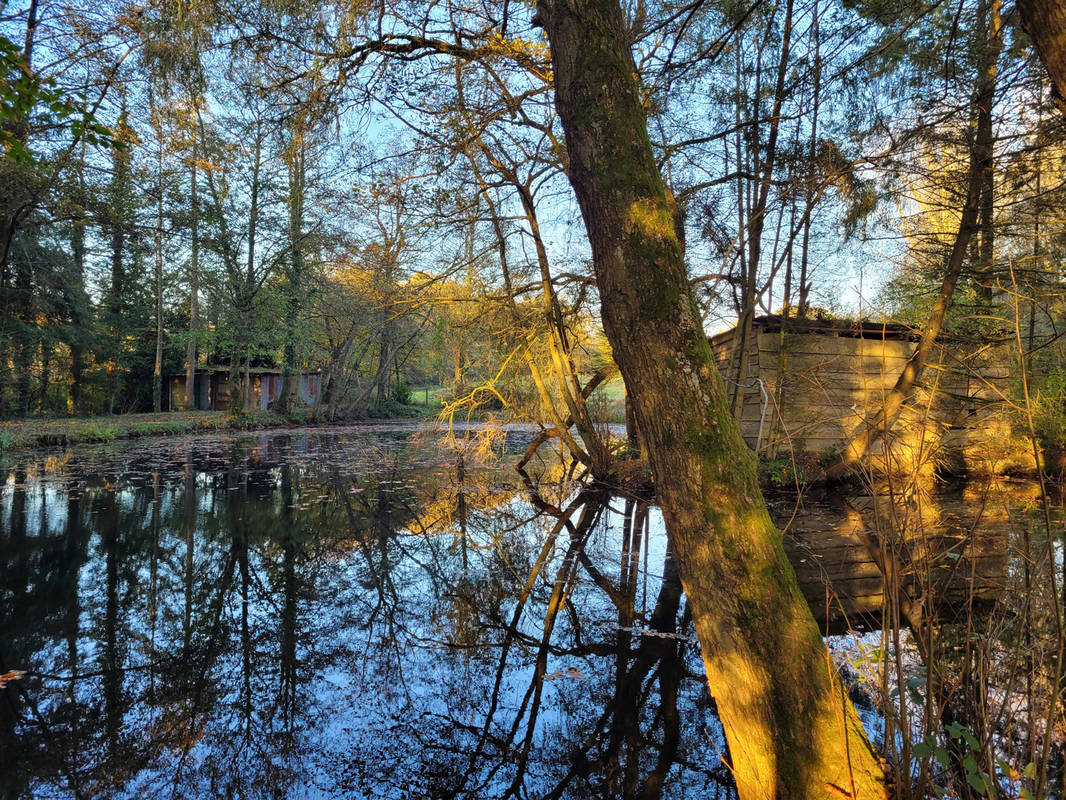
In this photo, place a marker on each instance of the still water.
(365, 612)
(354, 613)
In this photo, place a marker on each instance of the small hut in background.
(212, 388)
(809, 384)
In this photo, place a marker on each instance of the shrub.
(96, 432)
(401, 393)
(780, 471)
(1049, 409)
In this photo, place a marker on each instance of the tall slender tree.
(978, 181)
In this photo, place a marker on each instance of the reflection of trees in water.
(207, 623)
(38, 603)
(968, 651)
(145, 586)
(514, 725)
(377, 619)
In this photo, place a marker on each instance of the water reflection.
(319, 615)
(366, 615)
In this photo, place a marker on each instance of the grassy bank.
(15, 434)
(423, 402)
(52, 432)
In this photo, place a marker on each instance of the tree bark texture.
(1045, 22)
(792, 731)
(194, 275)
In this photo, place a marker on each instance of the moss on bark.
(792, 731)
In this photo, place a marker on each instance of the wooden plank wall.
(818, 388)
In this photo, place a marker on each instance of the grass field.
(608, 402)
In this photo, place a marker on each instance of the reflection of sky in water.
(364, 614)
(301, 616)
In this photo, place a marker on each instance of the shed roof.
(852, 328)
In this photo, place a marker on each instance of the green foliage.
(779, 471)
(299, 416)
(22, 94)
(830, 456)
(94, 432)
(401, 393)
(241, 420)
(978, 780)
(1049, 408)
(392, 408)
(158, 428)
(930, 747)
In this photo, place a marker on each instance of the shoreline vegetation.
(627, 473)
(41, 432)
(34, 433)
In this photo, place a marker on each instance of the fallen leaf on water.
(569, 672)
(11, 675)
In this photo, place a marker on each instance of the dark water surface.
(377, 612)
(353, 613)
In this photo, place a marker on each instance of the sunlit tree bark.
(1045, 22)
(791, 729)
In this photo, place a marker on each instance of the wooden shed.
(808, 387)
(212, 387)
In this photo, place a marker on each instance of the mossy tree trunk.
(1045, 22)
(792, 731)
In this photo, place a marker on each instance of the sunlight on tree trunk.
(792, 730)
(1045, 22)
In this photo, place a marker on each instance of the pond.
(377, 612)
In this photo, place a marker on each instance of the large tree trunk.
(792, 731)
(1045, 22)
